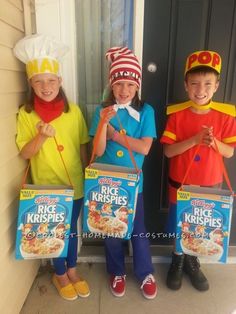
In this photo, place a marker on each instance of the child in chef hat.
(45, 115)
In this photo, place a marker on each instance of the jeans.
(62, 263)
(142, 261)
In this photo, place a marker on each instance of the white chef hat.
(40, 53)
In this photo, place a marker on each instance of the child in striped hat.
(138, 122)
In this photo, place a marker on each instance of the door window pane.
(101, 24)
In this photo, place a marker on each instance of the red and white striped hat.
(124, 66)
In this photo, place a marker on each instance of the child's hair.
(110, 100)
(29, 105)
(202, 70)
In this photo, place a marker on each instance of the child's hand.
(205, 136)
(107, 114)
(45, 129)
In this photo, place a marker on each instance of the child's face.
(201, 87)
(124, 91)
(46, 86)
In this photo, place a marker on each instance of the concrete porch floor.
(220, 299)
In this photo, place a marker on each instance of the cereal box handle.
(190, 165)
(127, 144)
(97, 136)
(63, 162)
(225, 174)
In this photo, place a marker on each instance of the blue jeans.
(142, 261)
(62, 263)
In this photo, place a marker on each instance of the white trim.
(27, 17)
(57, 18)
(138, 24)
(68, 35)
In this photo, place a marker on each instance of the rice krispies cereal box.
(44, 219)
(203, 222)
(110, 200)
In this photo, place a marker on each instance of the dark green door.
(172, 30)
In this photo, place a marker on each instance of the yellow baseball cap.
(207, 58)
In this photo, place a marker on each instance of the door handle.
(152, 67)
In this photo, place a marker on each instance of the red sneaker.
(149, 287)
(117, 285)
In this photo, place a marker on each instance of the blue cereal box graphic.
(110, 200)
(203, 222)
(44, 219)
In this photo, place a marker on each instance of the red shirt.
(206, 169)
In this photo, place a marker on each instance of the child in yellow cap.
(199, 120)
(48, 113)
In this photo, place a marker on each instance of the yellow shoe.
(82, 288)
(68, 292)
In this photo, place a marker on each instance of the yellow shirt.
(46, 166)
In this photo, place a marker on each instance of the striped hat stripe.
(116, 51)
(126, 58)
(124, 65)
(129, 63)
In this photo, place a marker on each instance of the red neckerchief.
(48, 110)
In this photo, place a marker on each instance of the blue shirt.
(117, 154)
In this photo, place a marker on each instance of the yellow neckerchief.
(221, 107)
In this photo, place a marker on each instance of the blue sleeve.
(95, 121)
(148, 122)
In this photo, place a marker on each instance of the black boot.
(192, 268)
(175, 273)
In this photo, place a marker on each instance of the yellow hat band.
(206, 58)
(40, 66)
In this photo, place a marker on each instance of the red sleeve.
(229, 131)
(169, 134)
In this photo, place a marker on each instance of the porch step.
(160, 254)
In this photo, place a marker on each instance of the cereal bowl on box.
(108, 225)
(42, 248)
(202, 247)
